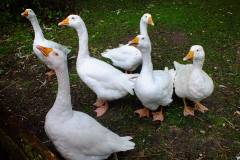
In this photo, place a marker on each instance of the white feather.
(126, 57)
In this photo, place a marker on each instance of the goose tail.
(106, 53)
(126, 144)
(177, 65)
(129, 83)
(172, 73)
(65, 49)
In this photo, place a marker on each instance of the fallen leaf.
(237, 113)
(202, 131)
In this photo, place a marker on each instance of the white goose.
(192, 82)
(76, 135)
(154, 88)
(39, 38)
(106, 81)
(129, 57)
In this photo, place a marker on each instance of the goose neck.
(38, 34)
(198, 64)
(143, 28)
(62, 105)
(83, 51)
(147, 66)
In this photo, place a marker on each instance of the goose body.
(107, 82)
(125, 56)
(80, 137)
(155, 91)
(102, 78)
(192, 82)
(76, 135)
(47, 43)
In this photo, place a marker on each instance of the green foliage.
(49, 10)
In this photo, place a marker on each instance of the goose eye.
(73, 18)
(142, 38)
(146, 16)
(56, 54)
(198, 50)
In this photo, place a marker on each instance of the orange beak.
(65, 22)
(189, 56)
(25, 13)
(45, 51)
(134, 42)
(150, 21)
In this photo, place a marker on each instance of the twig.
(23, 117)
(42, 83)
(115, 156)
(230, 124)
(7, 86)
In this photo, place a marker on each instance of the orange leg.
(188, 111)
(158, 116)
(200, 107)
(100, 110)
(50, 73)
(98, 102)
(144, 112)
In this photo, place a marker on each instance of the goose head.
(72, 21)
(28, 13)
(147, 18)
(141, 42)
(54, 58)
(196, 53)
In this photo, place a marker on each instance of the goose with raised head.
(76, 135)
(154, 88)
(192, 82)
(129, 57)
(106, 81)
(39, 38)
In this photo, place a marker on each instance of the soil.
(26, 93)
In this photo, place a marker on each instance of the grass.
(178, 24)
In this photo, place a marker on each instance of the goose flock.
(78, 136)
